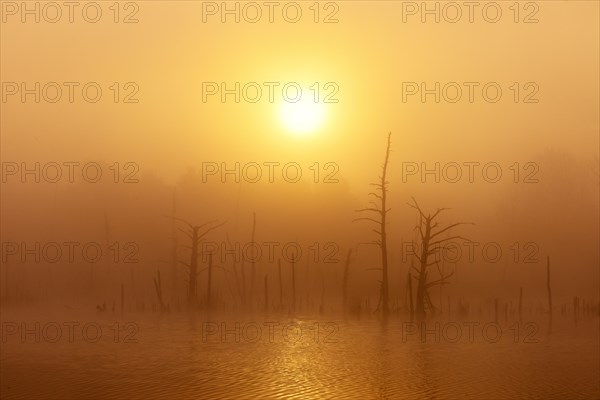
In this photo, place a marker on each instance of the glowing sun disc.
(303, 117)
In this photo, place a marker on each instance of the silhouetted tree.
(381, 211)
(158, 289)
(195, 235)
(430, 246)
(345, 281)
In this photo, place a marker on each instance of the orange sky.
(367, 54)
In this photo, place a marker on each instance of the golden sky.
(367, 55)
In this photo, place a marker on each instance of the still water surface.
(272, 357)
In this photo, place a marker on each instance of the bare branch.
(179, 219)
(186, 233)
(206, 223)
(370, 209)
(416, 206)
(367, 219)
(448, 238)
(439, 210)
(211, 229)
(450, 227)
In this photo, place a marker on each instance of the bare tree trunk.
(193, 274)
(174, 245)
(410, 296)
(280, 285)
(384, 256)
(195, 237)
(7, 283)
(266, 293)
(321, 307)
(520, 304)
(548, 286)
(158, 289)
(122, 298)
(209, 282)
(253, 261)
(244, 303)
(293, 285)
(381, 211)
(422, 276)
(307, 280)
(235, 274)
(430, 245)
(107, 269)
(345, 282)
(549, 294)
(496, 310)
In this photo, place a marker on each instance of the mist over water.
(299, 200)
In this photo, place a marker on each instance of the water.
(179, 357)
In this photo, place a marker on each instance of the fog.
(360, 167)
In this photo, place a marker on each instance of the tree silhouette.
(430, 246)
(381, 211)
(195, 236)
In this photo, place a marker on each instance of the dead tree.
(266, 284)
(429, 231)
(381, 211)
(409, 295)
(122, 298)
(495, 310)
(548, 286)
(520, 304)
(253, 260)
(322, 306)
(235, 273)
(158, 289)
(209, 280)
(280, 285)
(174, 245)
(293, 262)
(195, 235)
(345, 281)
(243, 273)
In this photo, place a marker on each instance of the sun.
(303, 117)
